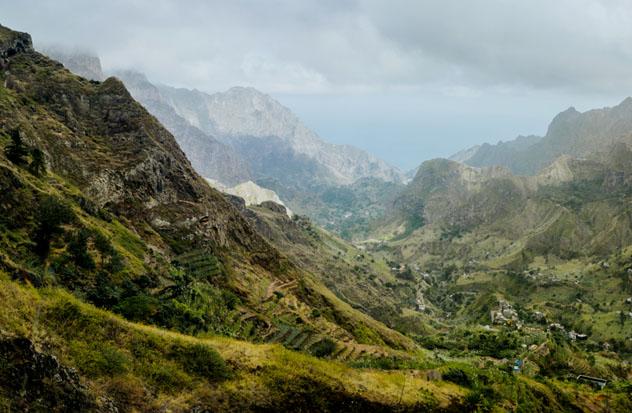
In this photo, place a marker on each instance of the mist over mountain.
(80, 62)
(569, 133)
(244, 116)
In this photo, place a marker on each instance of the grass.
(108, 350)
(142, 367)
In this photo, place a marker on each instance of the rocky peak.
(12, 42)
(245, 112)
(562, 120)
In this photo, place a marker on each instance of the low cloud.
(342, 46)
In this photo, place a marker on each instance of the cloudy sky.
(407, 80)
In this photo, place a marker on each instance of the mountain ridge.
(570, 132)
(247, 112)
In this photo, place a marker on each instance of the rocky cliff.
(210, 157)
(247, 113)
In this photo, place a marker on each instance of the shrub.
(407, 274)
(323, 348)
(37, 166)
(201, 360)
(98, 359)
(459, 376)
(166, 376)
(78, 249)
(138, 308)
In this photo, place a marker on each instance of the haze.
(406, 80)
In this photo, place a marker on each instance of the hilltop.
(570, 133)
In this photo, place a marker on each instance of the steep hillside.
(210, 157)
(570, 133)
(355, 276)
(162, 246)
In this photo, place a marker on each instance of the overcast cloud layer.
(441, 57)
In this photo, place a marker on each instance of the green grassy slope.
(127, 283)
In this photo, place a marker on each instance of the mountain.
(280, 154)
(451, 196)
(302, 182)
(82, 63)
(100, 206)
(269, 146)
(210, 157)
(249, 120)
(570, 133)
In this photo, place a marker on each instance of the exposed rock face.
(209, 157)
(38, 382)
(505, 314)
(12, 42)
(570, 133)
(80, 63)
(247, 113)
(252, 194)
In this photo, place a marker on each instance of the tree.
(111, 260)
(16, 151)
(78, 249)
(37, 166)
(50, 215)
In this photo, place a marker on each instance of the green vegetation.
(323, 348)
(50, 215)
(123, 264)
(16, 151)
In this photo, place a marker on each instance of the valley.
(306, 276)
